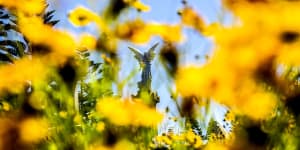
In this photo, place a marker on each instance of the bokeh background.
(193, 49)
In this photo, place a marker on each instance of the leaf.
(48, 16)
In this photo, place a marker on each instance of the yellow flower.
(259, 105)
(193, 139)
(190, 81)
(77, 119)
(6, 106)
(128, 29)
(87, 41)
(81, 16)
(29, 7)
(61, 45)
(33, 130)
(128, 113)
(228, 86)
(230, 116)
(100, 126)
(255, 36)
(38, 100)
(211, 29)
(120, 145)
(20, 73)
(99, 147)
(216, 146)
(237, 47)
(114, 110)
(124, 145)
(166, 140)
(63, 114)
(140, 32)
(205, 81)
(139, 5)
(169, 33)
(250, 48)
(263, 36)
(190, 18)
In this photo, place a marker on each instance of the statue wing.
(138, 55)
(151, 51)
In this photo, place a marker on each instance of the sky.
(162, 11)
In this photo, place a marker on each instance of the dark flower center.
(289, 36)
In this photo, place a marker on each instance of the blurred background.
(193, 49)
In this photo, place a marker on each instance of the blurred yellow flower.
(203, 81)
(20, 73)
(255, 35)
(216, 146)
(169, 33)
(87, 41)
(129, 29)
(244, 53)
(81, 16)
(211, 29)
(190, 18)
(100, 126)
(139, 31)
(77, 119)
(193, 139)
(6, 106)
(259, 105)
(38, 100)
(190, 81)
(128, 113)
(61, 45)
(227, 86)
(230, 116)
(33, 130)
(124, 145)
(29, 7)
(139, 5)
(121, 145)
(258, 32)
(63, 114)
